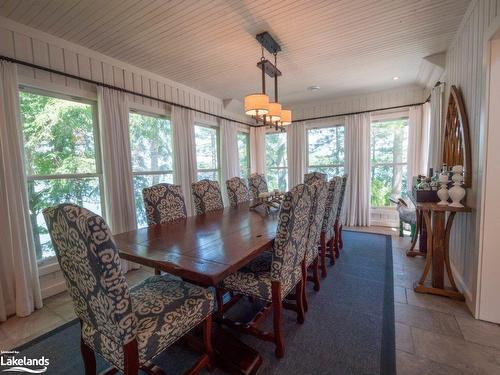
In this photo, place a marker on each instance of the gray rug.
(349, 328)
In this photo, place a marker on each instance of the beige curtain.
(296, 153)
(229, 158)
(258, 150)
(19, 284)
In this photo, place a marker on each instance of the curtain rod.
(35, 66)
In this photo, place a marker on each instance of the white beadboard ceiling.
(346, 47)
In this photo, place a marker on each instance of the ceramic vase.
(443, 192)
(457, 192)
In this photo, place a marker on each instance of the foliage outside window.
(151, 151)
(276, 161)
(62, 158)
(244, 154)
(207, 152)
(325, 151)
(389, 145)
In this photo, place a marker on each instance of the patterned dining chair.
(327, 235)
(309, 178)
(271, 276)
(339, 243)
(207, 196)
(319, 192)
(126, 326)
(237, 191)
(258, 184)
(164, 203)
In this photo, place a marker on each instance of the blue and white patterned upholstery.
(237, 191)
(258, 184)
(283, 264)
(164, 203)
(155, 313)
(319, 192)
(207, 196)
(331, 206)
(309, 178)
(340, 209)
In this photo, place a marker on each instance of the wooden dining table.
(203, 250)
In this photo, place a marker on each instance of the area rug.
(349, 328)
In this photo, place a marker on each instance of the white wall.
(465, 69)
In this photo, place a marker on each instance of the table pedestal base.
(445, 292)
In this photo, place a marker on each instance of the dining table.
(203, 250)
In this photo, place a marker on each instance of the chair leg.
(331, 246)
(88, 358)
(303, 287)
(323, 255)
(315, 269)
(336, 238)
(207, 341)
(300, 301)
(131, 358)
(341, 241)
(157, 271)
(277, 322)
(219, 296)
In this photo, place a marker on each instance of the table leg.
(421, 235)
(438, 224)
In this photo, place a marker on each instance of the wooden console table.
(438, 229)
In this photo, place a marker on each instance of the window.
(325, 150)
(151, 151)
(389, 144)
(276, 161)
(207, 152)
(244, 154)
(62, 158)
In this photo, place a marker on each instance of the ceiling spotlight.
(395, 78)
(313, 88)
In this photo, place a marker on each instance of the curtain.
(435, 157)
(415, 142)
(184, 152)
(117, 165)
(19, 283)
(426, 123)
(296, 153)
(357, 162)
(258, 150)
(230, 164)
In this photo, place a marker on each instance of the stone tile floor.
(434, 335)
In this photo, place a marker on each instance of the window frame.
(265, 155)
(218, 169)
(50, 261)
(247, 136)
(324, 126)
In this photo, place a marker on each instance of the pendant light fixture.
(258, 105)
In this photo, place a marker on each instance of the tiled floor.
(434, 335)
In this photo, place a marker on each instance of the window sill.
(48, 266)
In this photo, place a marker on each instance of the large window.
(207, 152)
(62, 158)
(389, 144)
(151, 151)
(325, 150)
(244, 154)
(276, 161)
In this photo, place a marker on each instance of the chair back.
(319, 192)
(309, 178)
(164, 203)
(258, 184)
(90, 263)
(207, 196)
(340, 209)
(290, 244)
(237, 191)
(331, 206)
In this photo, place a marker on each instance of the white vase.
(443, 192)
(457, 192)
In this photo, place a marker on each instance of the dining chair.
(319, 192)
(237, 191)
(258, 184)
(126, 326)
(207, 196)
(309, 178)
(327, 235)
(339, 243)
(272, 275)
(164, 203)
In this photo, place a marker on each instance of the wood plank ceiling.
(346, 47)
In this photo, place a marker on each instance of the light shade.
(286, 117)
(274, 113)
(256, 104)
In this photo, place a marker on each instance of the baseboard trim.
(469, 298)
(54, 289)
